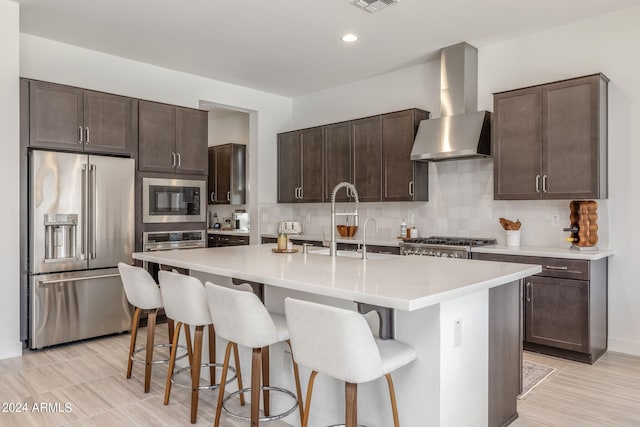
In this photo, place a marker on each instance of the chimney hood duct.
(461, 132)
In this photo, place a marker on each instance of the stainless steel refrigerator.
(81, 224)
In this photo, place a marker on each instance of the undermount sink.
(351, 254)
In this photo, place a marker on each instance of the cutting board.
(584, 216)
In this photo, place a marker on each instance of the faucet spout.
(364, 236)
(350, 189)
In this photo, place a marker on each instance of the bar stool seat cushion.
(140, 288)
(394, 354)
(339, 343)
(185, 298)
(281, 326)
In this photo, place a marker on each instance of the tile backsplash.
(460, 204)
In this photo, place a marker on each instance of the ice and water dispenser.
(60, 237)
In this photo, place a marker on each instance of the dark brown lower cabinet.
(564, 306)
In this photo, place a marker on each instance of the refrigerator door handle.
(93, 220)
(85, 215)
(75, 279)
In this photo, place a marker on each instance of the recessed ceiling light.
(349, 38)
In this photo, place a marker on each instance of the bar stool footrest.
(262, 419)
(203, 387)
(157, 361)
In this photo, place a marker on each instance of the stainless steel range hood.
(461, 132)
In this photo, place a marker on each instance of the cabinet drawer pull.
(528, 291)
(551, 267)
(80, 134)
(537, 183)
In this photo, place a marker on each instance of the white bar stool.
(144, 294)
(339, 343)
(241, 318)
(186, 303)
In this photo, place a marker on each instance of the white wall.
(10, 345)
(461, 192)
(230, 128)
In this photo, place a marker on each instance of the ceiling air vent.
(373, 5)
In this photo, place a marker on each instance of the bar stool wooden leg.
(195, 372)
(256, 364)
(212, 353)
(307, 403)
(265, 380)
(351, 403)
(170, 328)
(223, 381)
(151, 331)
(236, 357)
(392, 395)
(134, 336)
(296, 375)
(187, 337)
(172, 362)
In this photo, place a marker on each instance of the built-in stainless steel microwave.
(173, 200)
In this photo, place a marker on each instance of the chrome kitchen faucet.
(350, 188)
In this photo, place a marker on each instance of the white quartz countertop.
(371, 240)
(542, 251)
(227, 232)
(400, 282)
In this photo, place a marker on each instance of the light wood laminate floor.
(90, 376)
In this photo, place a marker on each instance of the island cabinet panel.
(300, 166)
(565, 306)
(172, 139)
(338, 149)
(550, 141)
(367, 158)
(403, 179)
(74, 119)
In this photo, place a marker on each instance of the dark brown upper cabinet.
(227, 174)
(367, 158)
(403, 179)
(70, 118)
(300, 171)
(172, 139)
(337, 159)
(550, 141)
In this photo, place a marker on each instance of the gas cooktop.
(452, 241)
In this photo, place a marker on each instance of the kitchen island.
(462, 316)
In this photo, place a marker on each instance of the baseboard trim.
(624, 346)
(10, 349)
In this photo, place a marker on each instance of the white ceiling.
(292, 47)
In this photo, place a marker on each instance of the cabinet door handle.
(551, 267)
(528, 288)
(537, 183)
(295, 193)
(229, 196)
(300, 192)
(179, 159)
(213, 196)
(80, 134)
(173, 160)
(87, 138)
(411, 188)
(544, 183)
